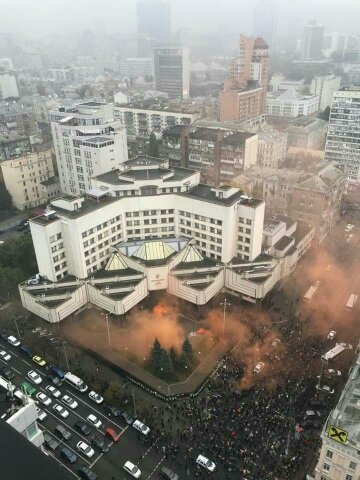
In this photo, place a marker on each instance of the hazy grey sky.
(38, 17)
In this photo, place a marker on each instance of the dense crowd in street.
(249, 434)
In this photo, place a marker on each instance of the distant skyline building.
(343, 138)
(172, 71)
(153, 25)
(264, 20)
(243, 95)
(312, 41)
(324, 86)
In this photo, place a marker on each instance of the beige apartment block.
(23, 176)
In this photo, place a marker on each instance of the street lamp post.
(106, 315)
(133, 396)
(66, 357)
(225, 304)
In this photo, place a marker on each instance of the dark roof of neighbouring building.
(21, 460)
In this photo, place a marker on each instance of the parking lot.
(131, 445)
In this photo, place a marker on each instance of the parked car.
(312, 413)
(258, 367)
(132, 469)
(325, 389)
(112, 411)
(54, 380)
(315, 403)
(86, 474)
(5, 356)
(28, 388)
(41, 414)
(168, 474)
(110, 432)
(333, 373)
(44, 399)
(128, 419)
(50, 442)
(34, 377)
(100, 444)
(205, 463)
(63, 432)
(40, 361)
(13, 341)
(70, 402)
(82, 428)
(85, 449)
(141, 427)
(94, 420)
(60, 410)
(57, 372)
(95, 397)
(331, 335)
(7, 373)
(68, 455)
(53, 391)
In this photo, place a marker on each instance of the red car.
(110, 432)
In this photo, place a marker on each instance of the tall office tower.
(312, 40)
(172, 71)
(153, 25)
(264, 20)
(243, 95)
(343, 138)
(8, 86)
(88, 142)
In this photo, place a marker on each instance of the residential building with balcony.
(140, 119)
(343, 138)
(23, 177)
(219, 154)
(88, 141)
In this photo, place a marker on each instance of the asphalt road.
(132, 445)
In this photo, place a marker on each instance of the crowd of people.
(249, 434)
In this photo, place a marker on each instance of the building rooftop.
(209, 134)
(50, 181)
(346, 415)
(238, 137)
(33, 464)
(283, 242)
(156, 105)
(208, 193)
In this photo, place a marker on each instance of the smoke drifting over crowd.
(268, 335)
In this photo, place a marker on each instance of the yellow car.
(40, 361)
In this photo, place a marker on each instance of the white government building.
(146, 227)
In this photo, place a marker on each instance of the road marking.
(148, 450)
(98, 458)
(91, 406)
(17, 371)
(157, 466)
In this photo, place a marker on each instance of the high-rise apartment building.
(324, 86)
(243, 95)
(172, 71)
(88, 141)
(8, 86)
(153, 25)
(343, 138)
(312, 40)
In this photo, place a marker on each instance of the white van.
(76, 382)
(205, 463)
(351, 302)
